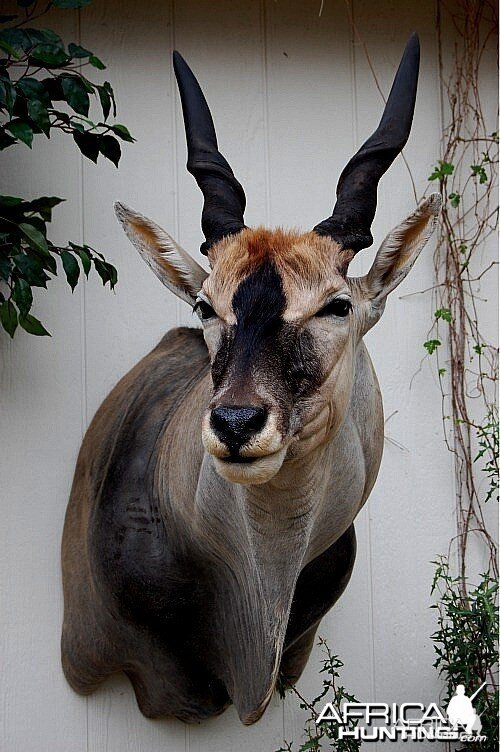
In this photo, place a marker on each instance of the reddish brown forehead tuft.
(305, 254)
(304, 260)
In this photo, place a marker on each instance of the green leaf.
(479, 171)
(33, 326)
(78, 52)
(51, 56)
(10, 201)
(96, 62)
(43, 206)
(444, 313)
(76, 94)
(431, 345)
(88, 143)
(17, 38)
(71, 268)
(23, 296)
(8, 96)
(39, 115)
(123, 132)
(21, 130)
(33, 89)
(71, 3)
(105, 100)
(8, 317)
(111, 93)
(6, 47)
(106, 271)
(454, 199)
(5, 267)
(109, 147)
(45, 36)
(441, 170)
(34, 237)
(6, 140)
(85, 259)
(31, 269)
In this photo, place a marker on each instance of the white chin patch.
(260, 470)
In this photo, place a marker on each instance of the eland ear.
(401, 248)
(171, 263)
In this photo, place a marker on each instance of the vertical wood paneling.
(292, 97)
(311, 136)
(413, 496)
(121, 328)
(41, 428)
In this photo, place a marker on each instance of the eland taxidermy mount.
(210, 524)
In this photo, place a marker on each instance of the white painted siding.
(292, 96)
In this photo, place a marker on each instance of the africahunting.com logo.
(379, 721)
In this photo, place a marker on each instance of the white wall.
(292, 97)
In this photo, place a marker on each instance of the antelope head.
(281, 318)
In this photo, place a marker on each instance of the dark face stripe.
(281, 352)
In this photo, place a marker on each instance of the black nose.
(236, 425)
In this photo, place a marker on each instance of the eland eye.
(340, 307)
(204, 310)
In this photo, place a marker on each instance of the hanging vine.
(468, 179)
(465, 641)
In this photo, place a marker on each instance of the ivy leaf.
(21, 130)
(444, 313)
(76, 94)
(479, 171)
(8, 317)
(109, 147)
(454, 199)
(431, 345)
(23, 296)
(441, 170)
(88, 143)
(33, 326)
(71, 268)
(34, 237)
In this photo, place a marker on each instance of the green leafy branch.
(466, 642)
(317, 735)
(43, 89)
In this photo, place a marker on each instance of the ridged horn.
(356, 203)
(224, 198)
